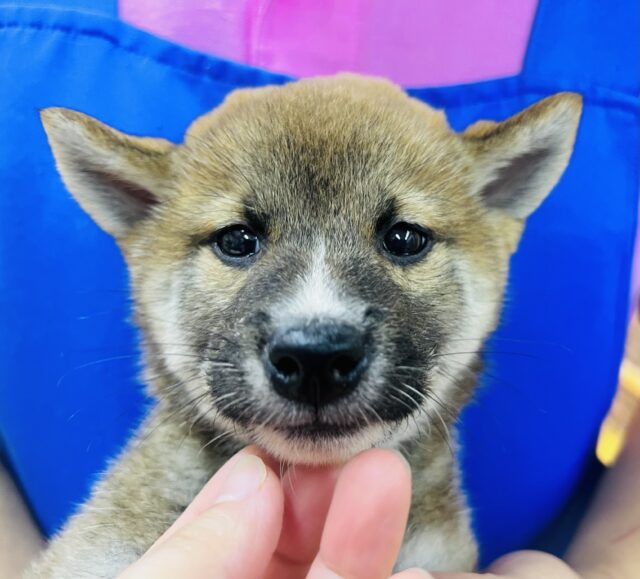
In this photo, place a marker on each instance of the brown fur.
(317, 162)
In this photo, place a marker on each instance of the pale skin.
(249, 521)
(20, 541)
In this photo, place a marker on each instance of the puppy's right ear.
(116, 178)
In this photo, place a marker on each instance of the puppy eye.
(236, 242)
(406, 241)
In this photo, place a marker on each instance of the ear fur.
(116, 178)
(517, 163)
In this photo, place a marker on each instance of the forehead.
(327, 148)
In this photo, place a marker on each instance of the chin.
(316, 445)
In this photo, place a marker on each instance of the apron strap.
(588, 42)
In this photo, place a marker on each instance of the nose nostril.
(343, 366)
(288, 367)
(316, 364)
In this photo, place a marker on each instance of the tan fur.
(322, 156)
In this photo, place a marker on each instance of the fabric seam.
(626, 102)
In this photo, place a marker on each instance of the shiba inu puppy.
(315, 270)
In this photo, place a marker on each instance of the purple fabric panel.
(413, 42)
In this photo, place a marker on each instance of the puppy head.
(315, 266)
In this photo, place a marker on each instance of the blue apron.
(69, 397)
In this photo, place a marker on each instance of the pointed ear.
(517, 163)
(116, 178)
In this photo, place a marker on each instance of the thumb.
(234, 538)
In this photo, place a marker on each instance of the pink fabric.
(413, 42)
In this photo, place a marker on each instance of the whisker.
(214, 440)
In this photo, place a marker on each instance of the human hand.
(520, 565)
(314, 523)
(237, 529)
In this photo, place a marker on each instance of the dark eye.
(406, 242)
(236, 243)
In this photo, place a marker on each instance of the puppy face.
(316, 266)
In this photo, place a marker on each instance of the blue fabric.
(100, 7)
(68, 390)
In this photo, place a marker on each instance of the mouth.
(319, 430)
(304, 436)
(316, 442)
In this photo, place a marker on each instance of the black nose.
(317, 363)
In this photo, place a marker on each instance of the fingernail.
(245, 478)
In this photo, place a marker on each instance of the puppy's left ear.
(116, 178)
(516, 163)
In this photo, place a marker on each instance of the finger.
(307, 496)
(521, 565)
(233, 539)
(532, 565)
(367, 518)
